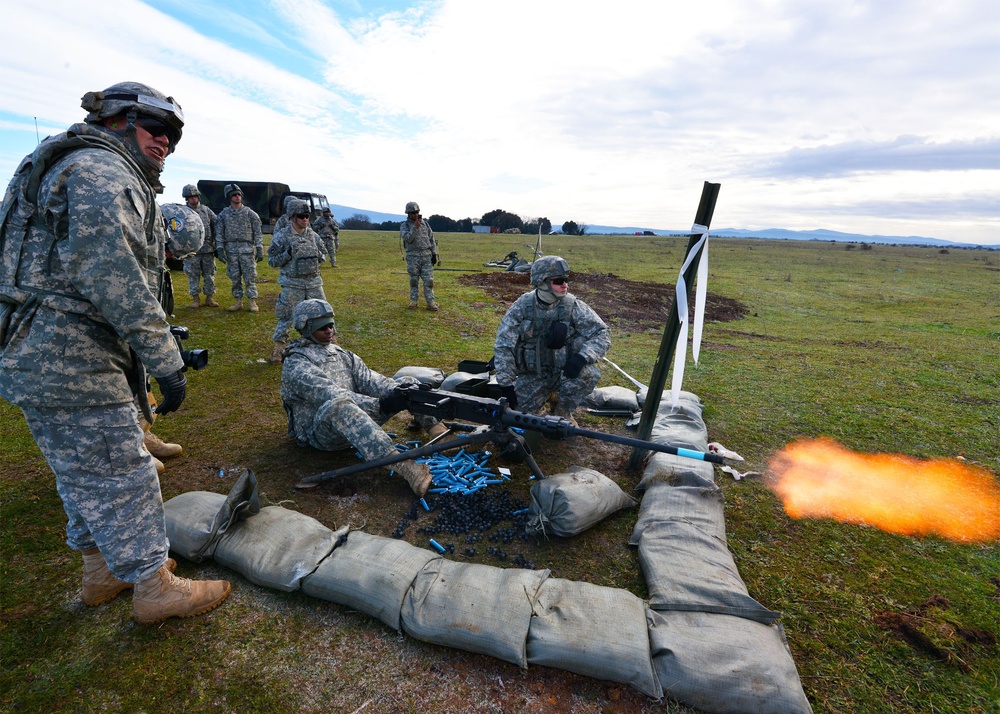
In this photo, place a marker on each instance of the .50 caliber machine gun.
(494, 421)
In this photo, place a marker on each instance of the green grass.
(891, 349)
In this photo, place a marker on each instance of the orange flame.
(819, 478)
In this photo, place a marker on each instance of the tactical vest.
(306, 257)
(530, 353)
(17, 215)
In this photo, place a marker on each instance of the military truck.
(266, 198)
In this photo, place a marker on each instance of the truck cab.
(317, 202)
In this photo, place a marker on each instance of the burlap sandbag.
(594, 631)
(197, 519)
(473, 607)
(369, 573)
(570, 502)
(682, 426)
(612, 398)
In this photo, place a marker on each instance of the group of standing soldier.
(82, 323)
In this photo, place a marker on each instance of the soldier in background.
(82, 265)
(240, 245)
(298, 253)
(421, 255)
(334, 401)
(284, 218)
(329, 231)
(549, 341)
(201, 266)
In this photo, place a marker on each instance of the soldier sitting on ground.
(334, 401)
(549, 341)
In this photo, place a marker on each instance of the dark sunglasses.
(302, 215)
(329, 326)
(157, 128)
(557, 281)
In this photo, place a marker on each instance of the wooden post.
(668, 345)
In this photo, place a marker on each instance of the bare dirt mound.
(628, 305)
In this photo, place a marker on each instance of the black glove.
(510, 395)
(434, 259)
(558, 332)
(173, 387)
(260, 254)
(220, 253)
(392, 403)
(574, 365)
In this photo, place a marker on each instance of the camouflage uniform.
(523, 360)
(420, 246)
(86, 318)
(329, 232)
(299, 257)
(202, 264)
(238, 233)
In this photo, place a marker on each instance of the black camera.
(195, 359)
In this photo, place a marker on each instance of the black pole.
(668, 345)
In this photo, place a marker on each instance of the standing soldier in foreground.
(421, 255)
(240, 246)
(201, 266)
(298, 253)
(80, 270)
(549, 341)
(329, 231)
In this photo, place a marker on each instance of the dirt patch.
(929, 628)
(627, 305)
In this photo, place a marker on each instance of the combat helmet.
(232, 188)
(551, 266)
(190, 190)
(135, 99)
(312, 314)
(296, 205)
(413, 207)
(185, 230)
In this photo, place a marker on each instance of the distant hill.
(343, 212)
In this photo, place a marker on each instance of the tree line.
(497, 219)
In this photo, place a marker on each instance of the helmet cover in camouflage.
(551, 266)
(231, 189)
(185, 230)
(312, 314)
(139, 98)
(296, 206)
(190, 190)
(286, 201)
(413, 207)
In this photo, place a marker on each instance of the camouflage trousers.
(107, 483)
(418, 265)
(331, 243)
(197, 267)
(340, 424)
(534, 389)
(292, 295)
(242, 270)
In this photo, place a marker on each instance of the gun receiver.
(497, 422)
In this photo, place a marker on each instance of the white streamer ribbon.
(701, 293)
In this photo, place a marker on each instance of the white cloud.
(608, 115)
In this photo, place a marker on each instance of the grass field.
(883, 348)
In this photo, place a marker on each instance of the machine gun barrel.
(495, 412)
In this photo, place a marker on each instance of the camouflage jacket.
(313, 374)
(238, 231)
(84, 285)
(520, 345)
(208, 217)
(417, 239)
(326, 227)
(298, 256)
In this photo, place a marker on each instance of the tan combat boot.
(210, 301)
(165, 595)
(160, 449)
(99, 585)
(253, 306)
(160, 467)
(433, 306)
(276, 353)
(413, 304)
(417, 475)
(196, 301)
(238, 305)
(565, 414)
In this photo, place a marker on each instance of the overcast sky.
(877, 117)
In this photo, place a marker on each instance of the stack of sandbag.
(714, 647)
